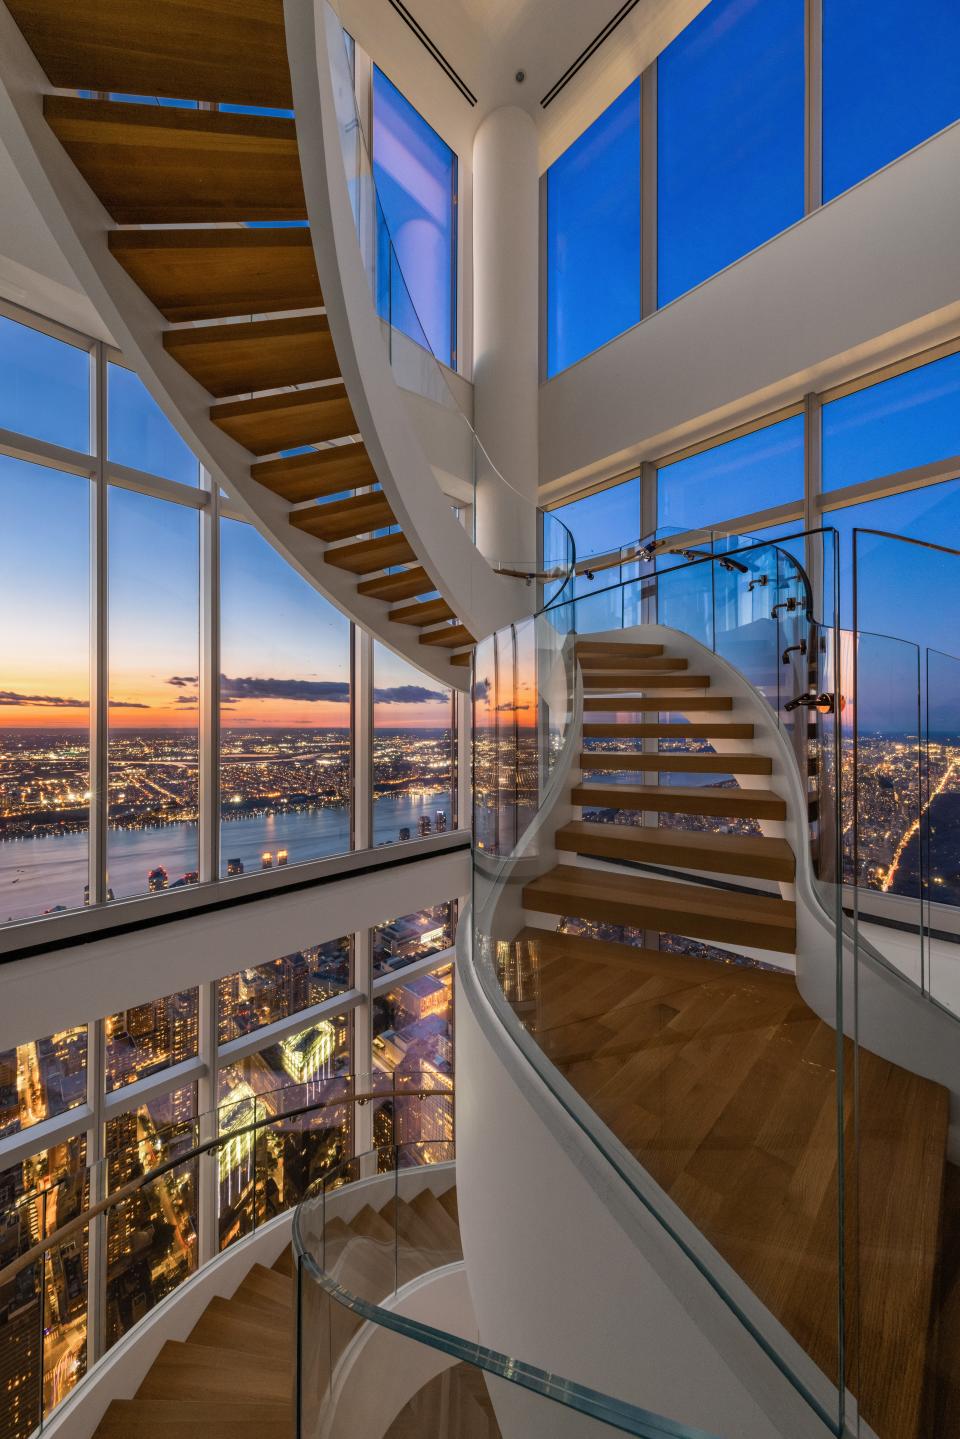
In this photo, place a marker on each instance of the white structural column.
(506, 365)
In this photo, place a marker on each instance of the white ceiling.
(488, 41)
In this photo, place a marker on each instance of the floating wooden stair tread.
(268, 423)
(755, 921)
(587, 649)
(343, 519)
(364, 556)
(152, 164)
(639, 704)
(403, 585)
(329, 471)
(161, 1418)
(213, 274)
(449, 637)
(233, 51)
(718, 801)
(679, 762)
(427, 612)
(754, 856)
(256, 355)
(667, 729)
(643, 680)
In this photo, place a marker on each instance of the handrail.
(618, 1414)
(907, 540)
(81, 1220)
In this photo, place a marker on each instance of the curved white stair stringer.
(80, 225)
(482, 600)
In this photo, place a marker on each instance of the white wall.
(868, 278)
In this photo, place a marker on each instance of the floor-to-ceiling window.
(593, 235)
(891, 79)
(416, 178)
(413, 789)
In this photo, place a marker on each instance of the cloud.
(409, 695)
(187, 700)
(251, 688)
(10, 697)
(508, 706)
(127, 705)
(182, 681)
(481, 690)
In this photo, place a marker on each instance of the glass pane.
(730, 137)
(943, 822)
(890, 80)
(139, 433)
(44, 387)
(252, 998)
(44, 1308)
(416, 178)
(754, 472)
(414, 751)
(42, 1079)
(604, 521)
(146, 1038)
(593, 235)
(286, 775)
(154, 658)
(910, 420)
(152, 1236)
(275, 1154)
(44, 690)
(413, 1043)
(413, 936)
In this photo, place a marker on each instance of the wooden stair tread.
(449, 1201)
(624, 704)
(284, 1263)
(449, 637)
(757, 921)
(715, 800)
(344, 519)
(667, 729)
(252, 355)
(199, 1371)
(427, 612)
(233, 51)
(679, 762)
(268, 423)
(362, 557)
(588, 648)
(155, 1418)
(266, 1284)
(152, 164)
(635, 664)
(465, 659)
(327, 471)
(647, 681)
(757, 856)
(207, 274)
(403, 585)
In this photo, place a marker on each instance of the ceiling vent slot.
(435, 53)
(585, 55)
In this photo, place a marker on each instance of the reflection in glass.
(593, 235)
(140, 435)
(45, 689)
(285, 687)
(44, 387)
(414, 752)
(730, 137)
(889, 82)
(152, 1236)
(273, 1154)
(252, 998)
(42, 1079)
(416, 178)
(146, 1038)
(154, 570)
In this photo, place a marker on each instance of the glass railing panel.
(888, 799)
(941, 831)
